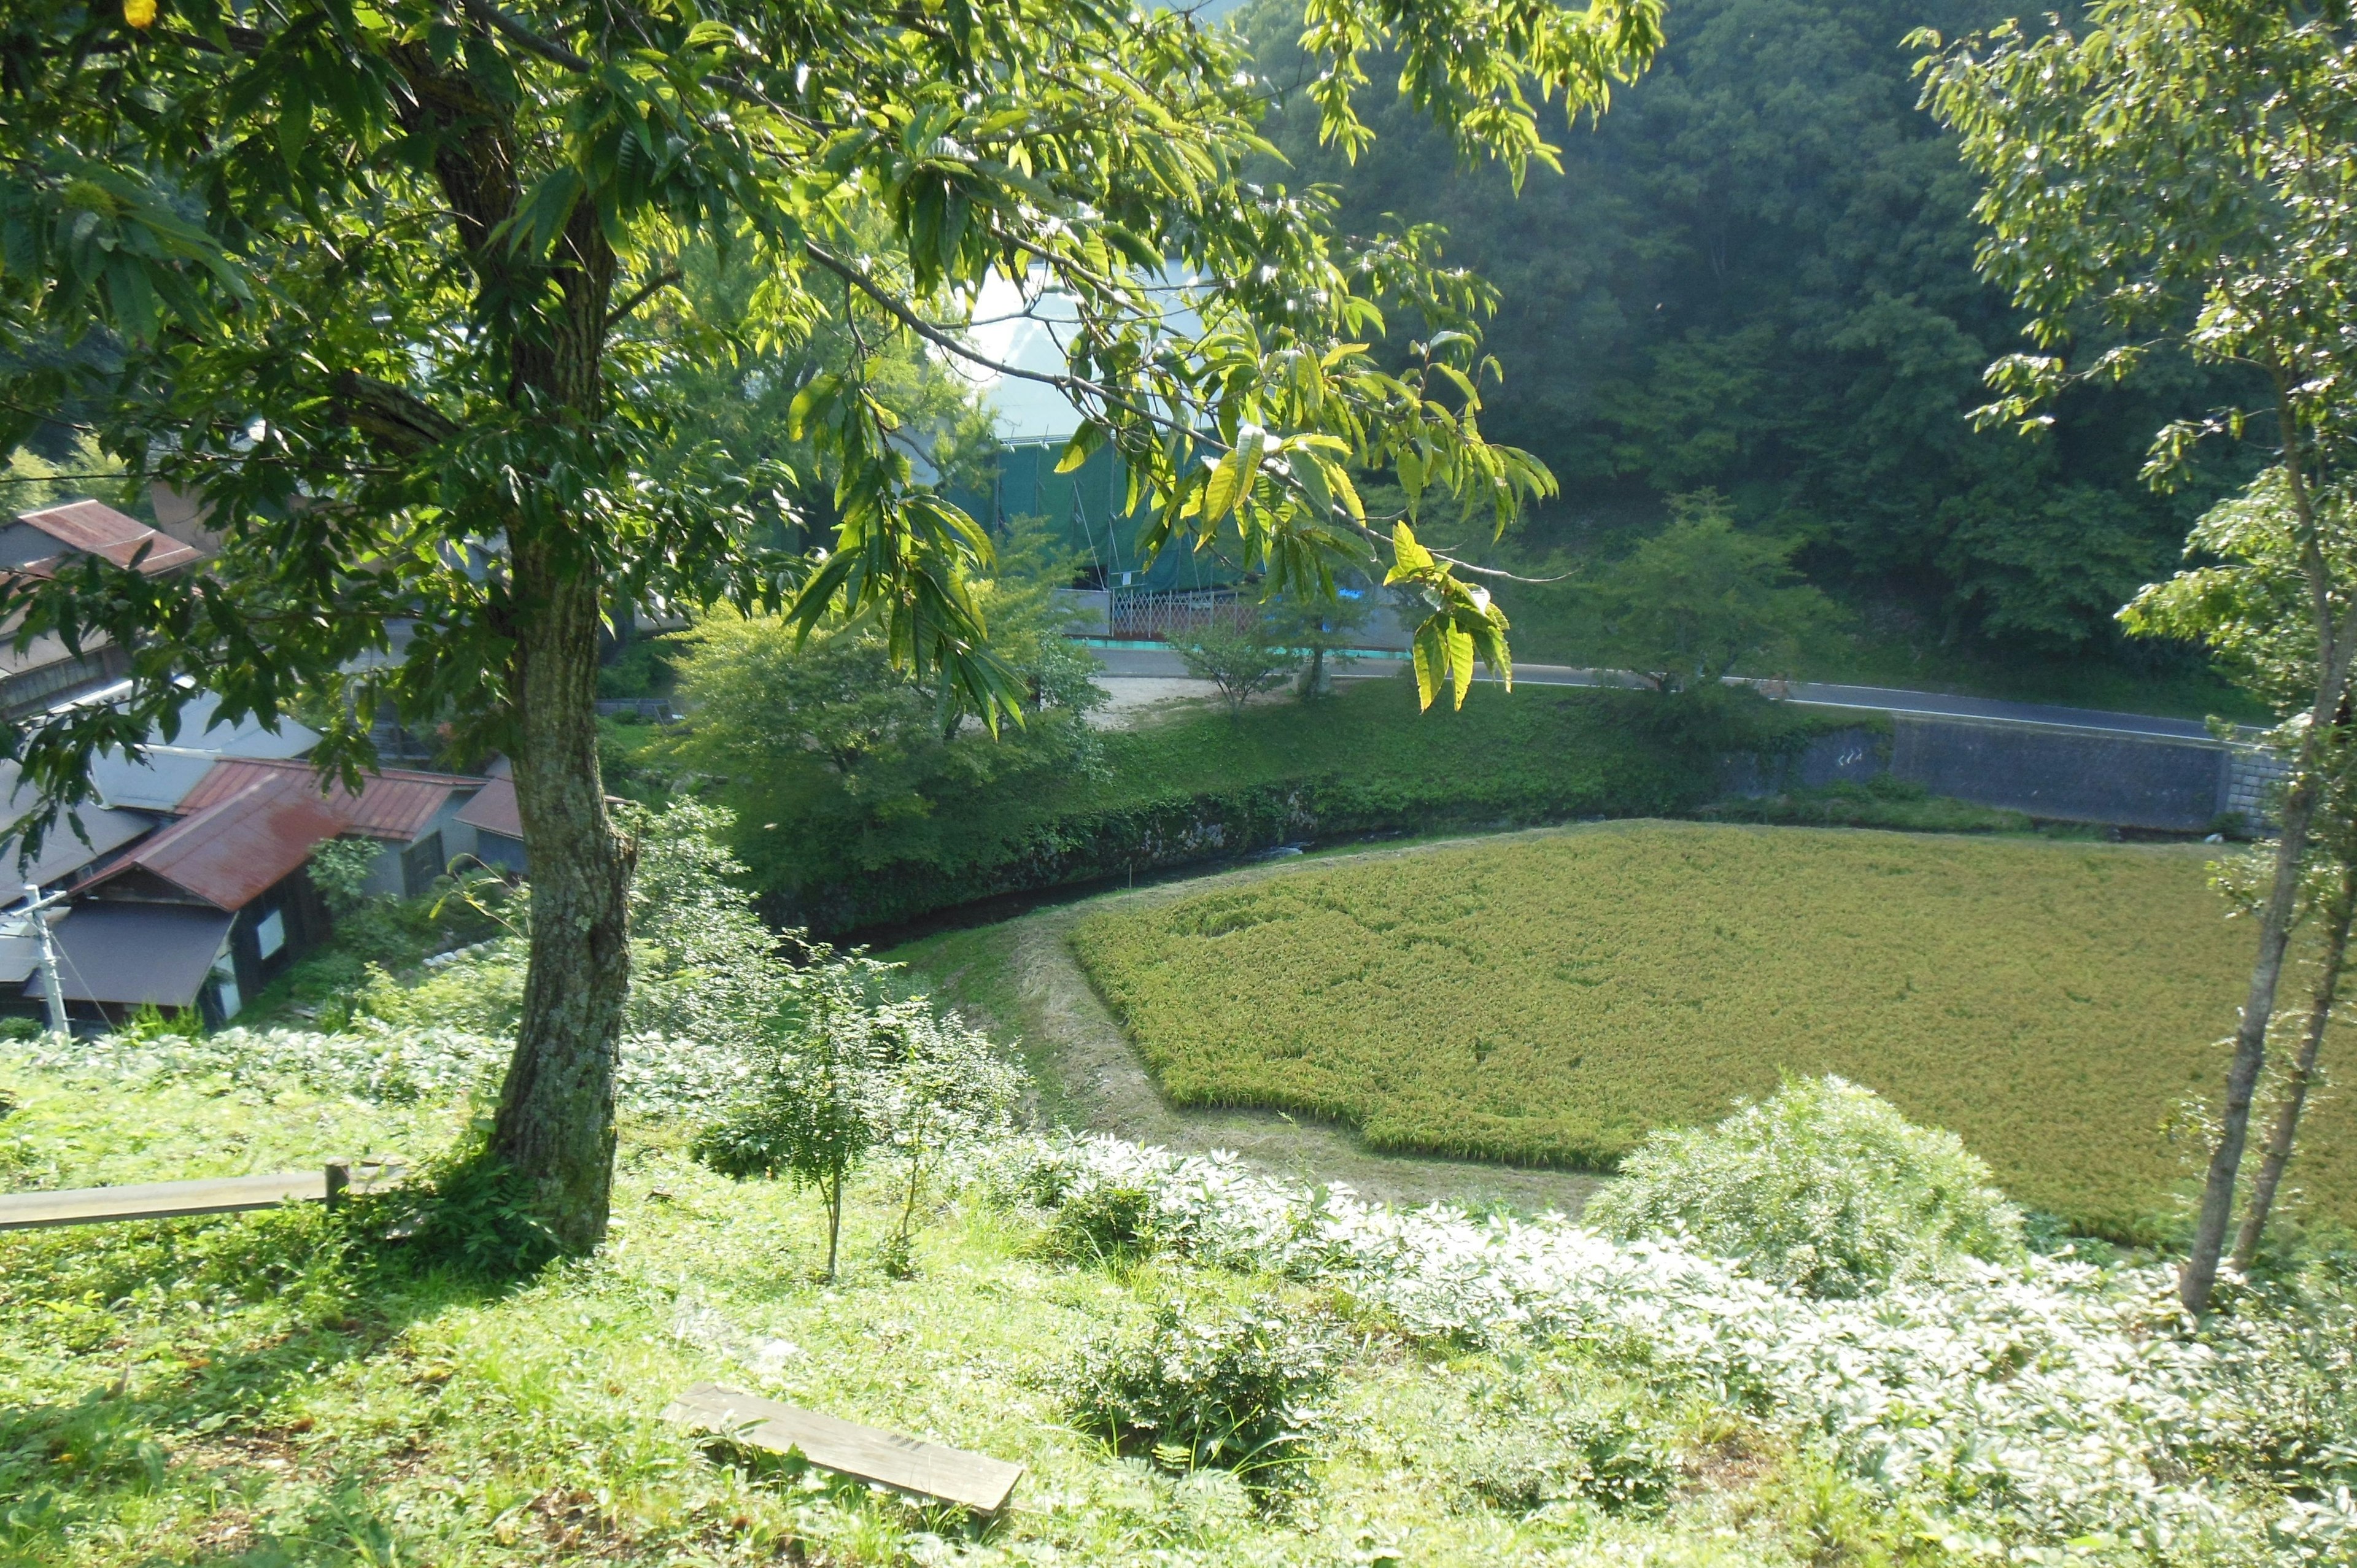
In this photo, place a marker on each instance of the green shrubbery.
(1204, 1389)
(1197, 787)
(1823, 1187)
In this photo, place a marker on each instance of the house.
(205, 912)
(418, 817)
(498, 825)
(37, 544)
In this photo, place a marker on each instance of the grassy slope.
(1362, 760)
(256, 1390)
(1553, 996)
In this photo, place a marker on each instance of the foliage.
(84, 471)
(1244, 656)
(635, 668)
(2181, 175)
(1234, 1391)
(1700, 600)
(1326, 631)
(258, 1385)
(1195, 787)
(827, 739)
(339, 870)
(2120, 1396)
(1554, 998)
(1755, 274)
(1823, 1187)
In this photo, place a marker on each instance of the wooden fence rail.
(214, 1194)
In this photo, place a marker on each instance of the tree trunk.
(555, 1123)
(2303, 1072)
(833, 1219)
(2201, 1270)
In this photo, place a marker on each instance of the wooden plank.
(166, 1199)
(975, 1481)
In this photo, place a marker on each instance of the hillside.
(295, 1388)
(1550, 997)
(1754, 274)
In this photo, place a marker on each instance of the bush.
(1236, 1392)
(1825, 1188)
(1614, 1458)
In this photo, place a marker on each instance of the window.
(270, 934)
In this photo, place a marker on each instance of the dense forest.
(1754, 275)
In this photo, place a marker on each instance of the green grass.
(271, 1390)
(1549, 998)
(1199, 785)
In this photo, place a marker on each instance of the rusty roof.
(495, 810)
(393, 803)
(94, 528)
(236, 849)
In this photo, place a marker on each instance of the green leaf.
(1080, 447)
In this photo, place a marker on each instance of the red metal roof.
(393, 803)
(495, 810)
(97, 528)
(237, 849)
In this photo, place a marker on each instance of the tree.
(2242, 602)
(838, 762)
(1326, 630)
(376, 283)
(2182, 178)
(1243, 655)
(814, 1115)
(1755, 274)
(1701, 598)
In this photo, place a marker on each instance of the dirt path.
(1020, 978)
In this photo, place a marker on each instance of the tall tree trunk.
(555, 1123)
(2201, 1270)
(2303, 1071)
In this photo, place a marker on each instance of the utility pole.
(35, 910)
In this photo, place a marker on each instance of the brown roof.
(94, 528)
(495, 810)
(235, 850)
(393, 803)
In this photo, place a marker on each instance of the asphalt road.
(1161, 664)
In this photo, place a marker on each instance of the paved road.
(1162, 664)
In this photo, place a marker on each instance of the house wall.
(304, 921)
(395, 872)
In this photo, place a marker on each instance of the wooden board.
(165, 1199)
(971, 1480)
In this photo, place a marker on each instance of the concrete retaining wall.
(2058, 772)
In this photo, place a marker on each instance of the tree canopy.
(1755, 274)
(374, 283)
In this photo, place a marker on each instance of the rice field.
(1550, 998)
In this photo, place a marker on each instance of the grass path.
(1019, 979)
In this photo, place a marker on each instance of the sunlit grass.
(276, 1389)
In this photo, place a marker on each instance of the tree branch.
(523, 38)
(405, 422)
(653, 285)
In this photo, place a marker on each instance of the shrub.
(1614, 1458)
(1101, 1223)
(1825, 1188)
(1237, 1393)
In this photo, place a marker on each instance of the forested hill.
(1755, 275)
